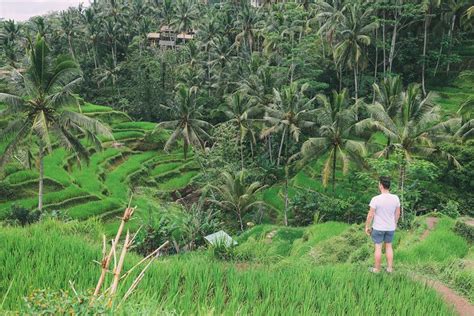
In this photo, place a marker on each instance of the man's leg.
(389, 254)
(378, 256)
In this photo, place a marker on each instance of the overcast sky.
(22, 10)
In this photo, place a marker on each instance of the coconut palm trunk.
(334, 165)
(423, 65)
(41, 177)
(401, 186)
(281, 146)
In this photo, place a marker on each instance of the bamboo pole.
(118, 269)
(106, 259)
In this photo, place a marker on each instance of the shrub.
(221, 251)
(464, 230)
(451, 209)
(307, 205)
(22, 216)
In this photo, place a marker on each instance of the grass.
(93, 208)
(87, 176)
(197, 284)
(22, 176)
(178, 182)
(165, 167)
(441, 245)
(50, 199)
(116, 180)
(146, 126)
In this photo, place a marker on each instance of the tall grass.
(50, 254)
(440, 245)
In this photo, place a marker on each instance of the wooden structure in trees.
(169, 38)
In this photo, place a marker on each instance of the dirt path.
(461, 305)
(431, 222)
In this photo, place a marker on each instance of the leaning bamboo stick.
(142, 273)
(145, 259)
(106, 259)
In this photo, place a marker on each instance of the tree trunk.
(439, 57)
(281, 146)
(401, 186)
(450, 36)
(241, 149)
(285, 219)
(391, 56)
(41, 177)
(185, 149)
(270, 148)
(240, 220)
(70, 47)
(356, 86)
(383, 46)
(423, 65)
(334, 165)
(376, 65)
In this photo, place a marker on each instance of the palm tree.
(236, 196)
(246, 21)
(9, 36)
(388, 93)
(337, 119)
(67, 23)
(185, 15)
(240, 110)
(40, 111)
(355, 28)
(186, 122)
(288, 114)
(411, 131)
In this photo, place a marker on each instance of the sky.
(22, 10)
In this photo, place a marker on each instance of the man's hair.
(385, 182)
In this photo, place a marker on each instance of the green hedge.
(464, 230)
(22, 176)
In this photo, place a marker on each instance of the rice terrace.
(236, 157)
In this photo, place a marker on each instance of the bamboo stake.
(118, 269)
(106, 259)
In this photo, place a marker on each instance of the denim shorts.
(379, 236)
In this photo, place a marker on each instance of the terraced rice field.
(103, 186)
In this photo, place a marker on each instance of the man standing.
(385, 212)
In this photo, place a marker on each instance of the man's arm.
(368, 222)
(397, 215)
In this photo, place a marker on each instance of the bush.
(308, 205)
(22, 216)
(464, 230)
(221, 251)
(451, 209)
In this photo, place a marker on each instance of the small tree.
(236, 196)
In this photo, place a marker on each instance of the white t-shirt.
(385, 205)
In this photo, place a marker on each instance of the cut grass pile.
(197, 284)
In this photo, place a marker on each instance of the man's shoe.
(373, 270)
